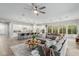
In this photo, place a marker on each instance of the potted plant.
(33, 37)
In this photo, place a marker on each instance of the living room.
(39, 29)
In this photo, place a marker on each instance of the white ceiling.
(54, 12)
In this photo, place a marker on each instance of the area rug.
(20, 50)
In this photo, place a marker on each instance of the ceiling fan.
(37, 9)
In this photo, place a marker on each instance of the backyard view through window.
(70, 29)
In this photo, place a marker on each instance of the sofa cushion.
(50, 43)
(56, 53)
(41, 52)
(35, 52)
(58, 45)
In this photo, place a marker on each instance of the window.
(49, 29)
(62, 30)
(55, 29)
(72, 29)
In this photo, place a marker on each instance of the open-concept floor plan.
(39, 29)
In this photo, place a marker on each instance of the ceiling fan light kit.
(37, 10)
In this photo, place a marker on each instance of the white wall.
(3, 29)
(78, 29)
(18, 27)
(24, 28)
(39, 28)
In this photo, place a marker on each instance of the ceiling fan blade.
(42, 7)
(27, 8)
(42, 12)
(33, 4)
